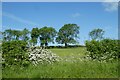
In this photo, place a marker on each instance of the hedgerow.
(17, 53)
(104, 50)
(14, 53)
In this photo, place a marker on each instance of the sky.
(87, 15)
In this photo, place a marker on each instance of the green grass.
(69, 51)
(72, 68)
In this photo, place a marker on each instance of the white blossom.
(42, 55)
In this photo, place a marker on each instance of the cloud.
(8, 27)
(11, 16)
(110, 6)
(110, 0)
(76, 15)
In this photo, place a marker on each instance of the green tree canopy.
(7, 35)
(34, 35)
(47, 35)
(10, 34)
(96, 34)
(16, 34)
(25, 34)
(68, 34)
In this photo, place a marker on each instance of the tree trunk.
(41, 45)
(46, 44)
(65, 44)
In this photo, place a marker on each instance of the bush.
(42, 56)
(106, 49)
(14, 53)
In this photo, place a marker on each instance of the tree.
(96, 34)
(25, 34)
(16, 34)
(47, 35)
(7, 35)
(68, 34)
(34, 35)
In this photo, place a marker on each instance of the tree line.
(67, 34)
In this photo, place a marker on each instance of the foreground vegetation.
(64, 70)
(21, 59)
(72, 66)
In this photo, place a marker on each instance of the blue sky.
(88, 15)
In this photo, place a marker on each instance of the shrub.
(42, 56)
(106, 49)
(14, 53)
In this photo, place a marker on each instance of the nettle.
(14, 53)
(103, 50)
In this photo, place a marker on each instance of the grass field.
(72, 66)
